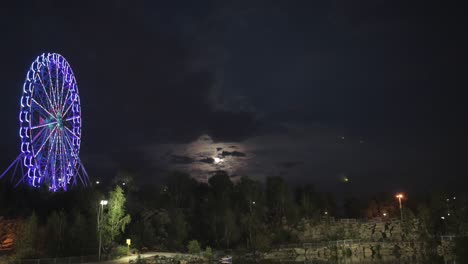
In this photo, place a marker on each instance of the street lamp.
(444, 225)
(400, 196)
(99, 220)
(250, 205)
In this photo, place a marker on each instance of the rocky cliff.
(8, 231)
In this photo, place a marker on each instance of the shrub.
(193, 247)
(119, 251)
(208, 253)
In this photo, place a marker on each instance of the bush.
(193, 247)
(208, 253)
(119, 251)
(461, 244)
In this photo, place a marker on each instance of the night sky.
(313, 91)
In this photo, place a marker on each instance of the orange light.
(400, 196)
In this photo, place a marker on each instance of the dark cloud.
(233, 153)
(207, 160)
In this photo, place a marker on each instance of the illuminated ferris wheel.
(50, 125)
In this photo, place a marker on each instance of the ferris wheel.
(50, 126)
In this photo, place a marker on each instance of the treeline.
(256, 215)
(249, 214)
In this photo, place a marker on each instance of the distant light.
(454, 198)
(399, 196)
(104, 202)
(97, 182)
(448, 214)
(442, 217)
(326, 212)
(123, 183)
(217, 160)
(345, 179)
(342, 137)
(448, 200)
(253, 202)
(384, 214)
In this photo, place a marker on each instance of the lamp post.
(128, 241)
(399, 197)
(444, 225)
(99, 220)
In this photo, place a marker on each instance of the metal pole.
(401, 211)
(99, 229)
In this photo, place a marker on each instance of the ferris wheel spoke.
(65, 102)
(66, 158)
(73, 118)
(56, 161)
(54, 96)
(68, 96)
(63, 84)
(56, 82)
(45, 141)
(43, 125)
(71, 132)
(68, 109)
(45, 91)
(72, 149)
(38, 134)
(42, 107)
(48, 157)
(59, 156)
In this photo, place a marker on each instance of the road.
(133, 257)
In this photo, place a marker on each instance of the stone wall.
(366, 250)
(382, 230)
(381, 238)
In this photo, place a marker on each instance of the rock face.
(381, 230)
(8, 231)
(446, 248)
(352, 238)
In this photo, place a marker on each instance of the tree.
(79, 234)
(116, 219)
(193, 247)
(27, 239)
(56, 230)
(279, 201)
(208, 254)
(308, 201)
(180, 187)
(178, 229)
(231, 230)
